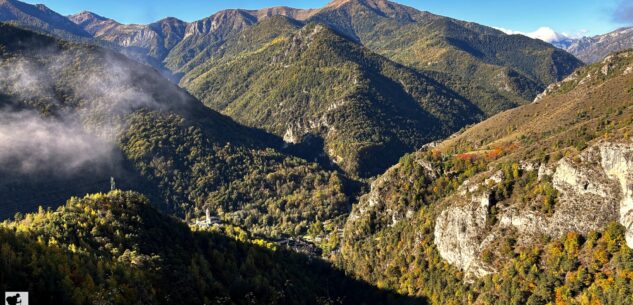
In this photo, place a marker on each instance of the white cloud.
(30, 144)
(546, 34)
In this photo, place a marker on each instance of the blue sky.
(567, 16)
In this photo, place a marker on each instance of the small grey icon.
(16, 298)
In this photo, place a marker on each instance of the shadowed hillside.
(110, 248)
(100, 115)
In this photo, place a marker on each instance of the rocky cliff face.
(594, 188)
(172, 31)
(221, 24)
(617, 162)
(91, 22)
(593, 191)
(458, 234)
(155, 39)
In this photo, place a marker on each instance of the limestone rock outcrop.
(594, 188)
(458, 235)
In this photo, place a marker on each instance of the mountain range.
(361, 153)
(592, 49)
(467, 72)
(588, 49)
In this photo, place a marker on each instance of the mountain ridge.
(387, 9)
(404, 108)
(448, 48)
(39, 17)
(593, 49)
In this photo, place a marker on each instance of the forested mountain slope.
(509, 70)
(76, 113)
(259, 77)
(310, 82)
(459, 72)
(494, 70)
(514, 68)
(111, 248)
(531, 206)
